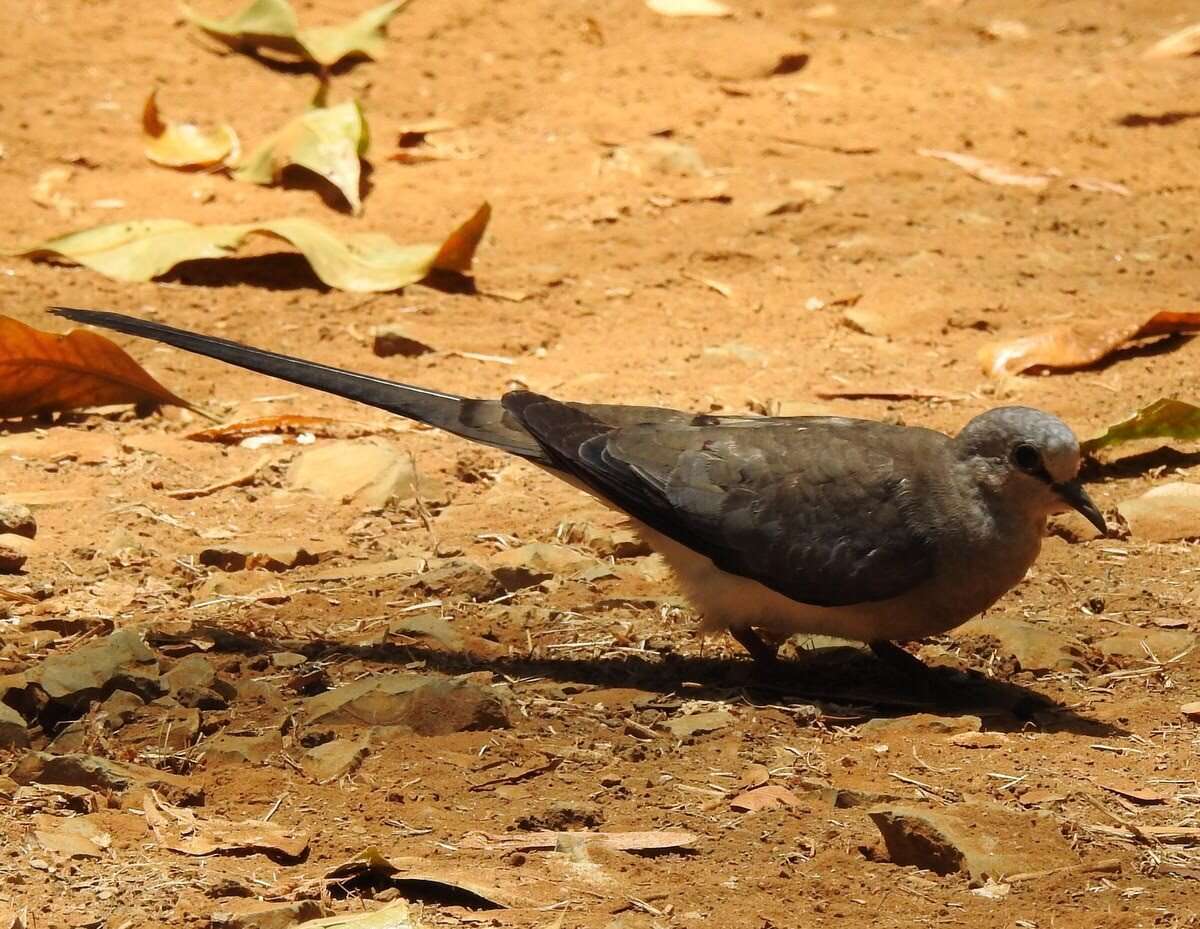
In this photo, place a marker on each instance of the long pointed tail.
(483, 421)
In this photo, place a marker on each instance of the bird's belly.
(731, 601)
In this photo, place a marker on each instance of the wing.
(823, 510)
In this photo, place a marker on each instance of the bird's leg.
(763, 652)
(898, 659)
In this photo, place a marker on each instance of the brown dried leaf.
(1067, 348)
(1132, 791)
(763, 798)
(43, 372)
(182, 831)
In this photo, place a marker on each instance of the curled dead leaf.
(1163, 419)
(273, 24)
(185, 145)
(1066, 348)
(329, 141)
(768, 797)
(181, 830)
(142, 250)
(43, 372)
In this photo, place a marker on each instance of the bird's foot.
(764, 653)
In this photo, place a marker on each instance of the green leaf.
(273, 24)
(362, 262)
(329, 141)
(1165, 418)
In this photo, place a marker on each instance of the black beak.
(1076, 497)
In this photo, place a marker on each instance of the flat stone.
(226, 749)
(287, 660)
(367, 475)
(17, 519)
(194, 682)
(428, 706)
(14, 552)
(333, 760)
(262, 553)
(97, 773)
(532, 564)
(120, 707)
(1132, 643)
(1166, 513)
(982, 841)
(257, 914)
(458, 577)
(1035, 648)
(685, 727)
(119, 662)
(921, 724)
(13, 731)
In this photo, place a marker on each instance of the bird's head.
(1032, 456)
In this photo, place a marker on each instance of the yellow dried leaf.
(362, 262)
(329, 141)
(273, 24)
(185, 145)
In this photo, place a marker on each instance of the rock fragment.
(268, 554)
(535, 563)
(17, 519)
(194, 683)
(368, 474)
(14, 552)
(97, 773)
(333, 760)
(1166, 513)
(390, 339)
(1035, 648)
(435, 706)
(257, 914)
(13, 732)
(686, 727)
(982, 841)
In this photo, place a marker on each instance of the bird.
(773, 526)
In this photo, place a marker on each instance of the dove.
(773, 526)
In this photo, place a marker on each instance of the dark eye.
(1027, 458)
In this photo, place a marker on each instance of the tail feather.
(483, 421)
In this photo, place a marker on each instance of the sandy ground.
(655, 210)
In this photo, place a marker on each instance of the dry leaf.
(182, 831)
(393, 916)
(142, 250)
(44, 372)
(1181, 44)
(1165, 418)
(1066, 348)
(617, 841)
(70, 836)
(988, 171)
(763, 798)
(273, 24)
(689, 7)
(1132, 791)
(494, 887)
(287, 427)
(185, 145)
(328, 141)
